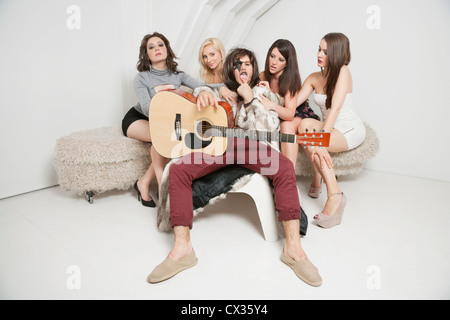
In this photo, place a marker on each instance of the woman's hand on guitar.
(323, 155)
(206, 99)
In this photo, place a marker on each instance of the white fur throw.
(100, 160)
(257, 117)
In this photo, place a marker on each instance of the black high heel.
(145, 203)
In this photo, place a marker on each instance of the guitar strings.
(305, 138)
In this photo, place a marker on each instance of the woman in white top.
(333, 93)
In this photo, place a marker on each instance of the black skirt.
(131, 116)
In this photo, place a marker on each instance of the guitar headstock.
(314, 139)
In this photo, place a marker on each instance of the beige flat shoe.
(304, 269)
(168, 268)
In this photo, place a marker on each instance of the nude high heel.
(314, 192)
(326, 221)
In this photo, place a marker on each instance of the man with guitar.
(241, 75)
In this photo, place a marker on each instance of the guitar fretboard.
(260, 135)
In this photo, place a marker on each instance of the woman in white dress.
(333, 89)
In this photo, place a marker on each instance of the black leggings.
(131, 116)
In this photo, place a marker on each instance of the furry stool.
(99, 160)
(347, 162)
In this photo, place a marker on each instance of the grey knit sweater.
(146, 81)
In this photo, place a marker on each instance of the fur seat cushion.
(100, 160)
(104, 159)
(347, 162)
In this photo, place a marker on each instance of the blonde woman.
(211, 57)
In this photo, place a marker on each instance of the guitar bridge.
(178, 126)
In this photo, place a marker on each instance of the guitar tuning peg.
(306, 130)
(323, 130)
(314, 130)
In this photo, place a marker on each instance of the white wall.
(55, 80)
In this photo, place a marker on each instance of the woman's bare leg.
(337, 143)
(140, 130)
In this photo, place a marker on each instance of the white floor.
(394, 243)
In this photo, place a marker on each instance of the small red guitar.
(177, 128)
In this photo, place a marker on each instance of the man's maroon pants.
(253, 155)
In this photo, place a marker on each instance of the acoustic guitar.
(177, 128)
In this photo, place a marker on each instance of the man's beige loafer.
(304, 269)
(168, 268)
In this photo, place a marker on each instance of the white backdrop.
(68, 66)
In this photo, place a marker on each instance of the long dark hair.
(144, 62)
(290, 80)
(338, 54)
(229, 66)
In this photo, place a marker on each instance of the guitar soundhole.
(204, 130)
(201, 138)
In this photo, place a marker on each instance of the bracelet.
(247, 104)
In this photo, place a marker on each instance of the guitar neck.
(225, 132)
